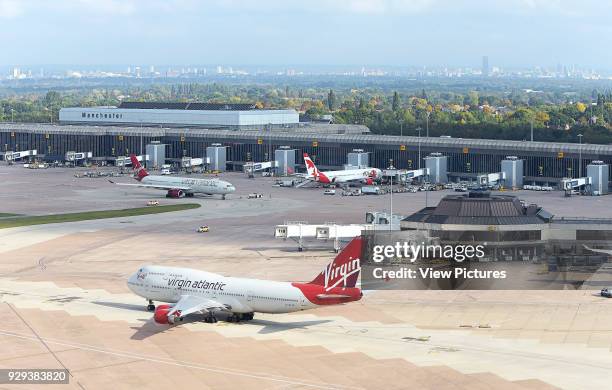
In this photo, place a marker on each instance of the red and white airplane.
(177, 187)
(363, 175)
(192, 291)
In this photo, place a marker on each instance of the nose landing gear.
(151, 306)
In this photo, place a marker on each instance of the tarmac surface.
(65, 301)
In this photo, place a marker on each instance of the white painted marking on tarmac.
(178, 363)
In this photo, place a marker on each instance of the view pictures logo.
(335, 275)
(414, 252)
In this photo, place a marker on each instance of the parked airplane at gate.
(178, 187)
(364, 175)
(192, 291)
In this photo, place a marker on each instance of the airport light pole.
(270, 142)
(580, 156)
(419, 143)
(401, 128)
(427, 123)
(391, 168)
(12, 115)
(142, 153)
(427, 194)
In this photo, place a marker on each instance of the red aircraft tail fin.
(344, 270)
(140, 171)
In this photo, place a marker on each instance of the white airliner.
(192, 291)
(364, 175)
(604, 251)
(178, 187)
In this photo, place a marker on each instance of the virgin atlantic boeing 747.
(188, 291)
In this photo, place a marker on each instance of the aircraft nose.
(131, 282)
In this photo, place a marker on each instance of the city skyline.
(486, 70)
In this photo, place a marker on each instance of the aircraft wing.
(189, 304)
(303, 175)
(604, 251)
(156, 186)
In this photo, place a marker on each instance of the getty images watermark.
(409, 252)
(417, 260)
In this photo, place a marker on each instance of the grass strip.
(90, 215)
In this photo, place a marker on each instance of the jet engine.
(161, 314)
(175, 194)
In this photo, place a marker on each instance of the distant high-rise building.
(485, 66)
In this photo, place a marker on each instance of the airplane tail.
(310, 166)
(140, 171)
(344, 270)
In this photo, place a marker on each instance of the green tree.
(472, 100)
(331, 100)
(396, 101)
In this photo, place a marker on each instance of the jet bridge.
(406, 176)
(251, 167)
(9, 157)
(190, 162)
(123, 161)
(301, 231)
(74, 157)
(573, 186)
(491, 179)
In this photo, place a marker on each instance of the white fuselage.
(350, 175)
(240, 295)
(197, 186)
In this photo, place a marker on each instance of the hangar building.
(179, 115)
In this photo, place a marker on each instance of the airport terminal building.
(513, 230)
(208, 115)
(251, 134)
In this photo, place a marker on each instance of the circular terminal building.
(509, 229)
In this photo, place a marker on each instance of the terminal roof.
(187, 106)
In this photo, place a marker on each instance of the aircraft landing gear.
(223, 196)
(235, 317)
(210, 319)
(151, 306)
(248, 316)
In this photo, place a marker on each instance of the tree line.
(502, 114)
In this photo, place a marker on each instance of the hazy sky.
(320, 32)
